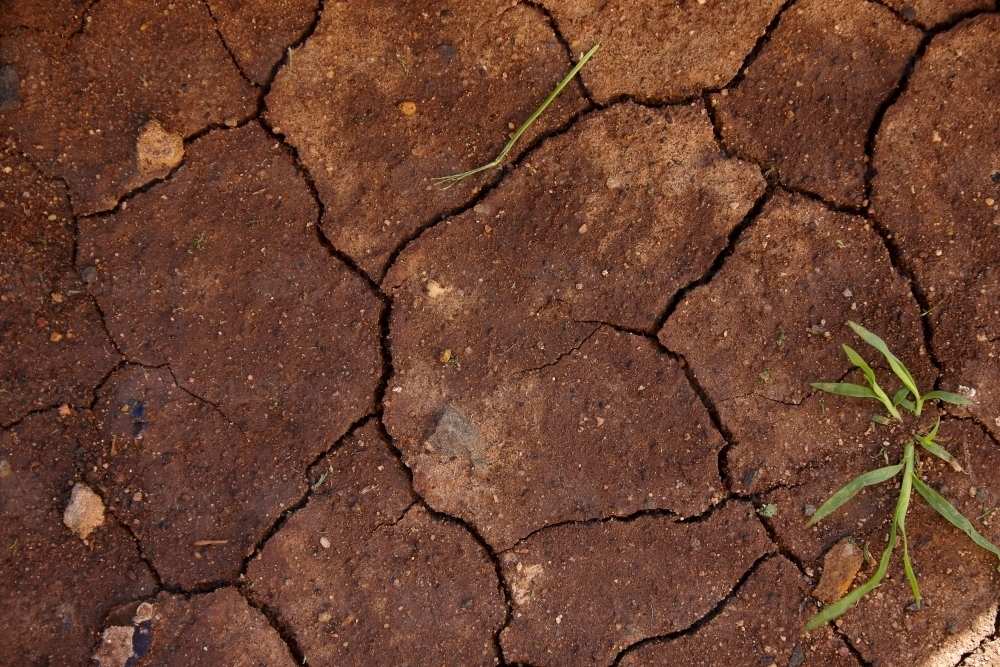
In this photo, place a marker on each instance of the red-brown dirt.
(269, 396)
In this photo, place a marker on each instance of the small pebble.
(408, 108)
(325, 543)
(88, 274)
(989, 202)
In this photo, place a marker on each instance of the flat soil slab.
(258, 32)
(217, 628)
(802, 271)
(495, 402)
(937, 191)
(56, 587)
(218, 273)
(657, 51)
(63, 17)
(384, 97)
(83, 102)
(53, 347)
(363, 576)
(958, 581)
(157, 456)
(808, 100)
(580, 593)
(933, 13)
(760, 625)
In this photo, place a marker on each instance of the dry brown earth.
(270, 397)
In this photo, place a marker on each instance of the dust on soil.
(337, 416)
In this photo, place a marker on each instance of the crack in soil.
(561, 354)
(225, 45)
(494, 559)
(701, 622)
(578, 80)
(489, 186)
(895, 254)
(218, 409)
(720, 259)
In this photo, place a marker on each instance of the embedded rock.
(85, 511)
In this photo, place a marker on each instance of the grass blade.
(852, 488)
(938, 451)
(900, 396)
(836, 609)
(927, 442)
(902, 507)
(947, 397)
(869, 374)
(954, 517)
(445, 182)
(894, 363)
(908, 568)
(845, 389)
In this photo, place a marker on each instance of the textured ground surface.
(267, 396)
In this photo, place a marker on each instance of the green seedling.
(199, 242)
(907, 467)
(322, 478)
(445, 182)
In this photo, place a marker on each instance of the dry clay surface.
(268, 396)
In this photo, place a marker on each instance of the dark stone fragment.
(10, 90)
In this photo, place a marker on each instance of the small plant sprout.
(199, 242)
(910, 399)
(445, 182)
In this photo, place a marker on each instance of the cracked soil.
(329, 414)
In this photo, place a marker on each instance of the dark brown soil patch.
(156, 460)
(583, 592)
(258, 32)
(53, 348)
(371, 158)
(83, 103)
(809, 98)
(218, 274)
(932, 13)
(760, 625)
(364, 577)
(937, 191)
(56, 587)
(658, 51)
